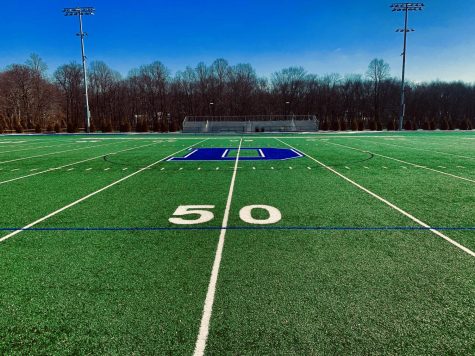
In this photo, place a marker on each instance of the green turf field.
(365, 245)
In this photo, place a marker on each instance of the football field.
(261, 244)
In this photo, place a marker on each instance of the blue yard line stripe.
(275, 228)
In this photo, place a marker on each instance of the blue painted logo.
(245, 154)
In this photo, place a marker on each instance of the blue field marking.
(226, 154)
(275, 228)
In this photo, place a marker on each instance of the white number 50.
(203, 215)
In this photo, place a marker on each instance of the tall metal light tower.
(81, 11)
(406, 7)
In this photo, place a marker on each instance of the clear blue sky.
(322, 36)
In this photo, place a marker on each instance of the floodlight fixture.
(405, 7)
(80, 12)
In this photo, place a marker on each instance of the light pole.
(406, 7)
(81, 11)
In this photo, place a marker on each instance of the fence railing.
(250, 118)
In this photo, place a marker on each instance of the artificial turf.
(112, 274)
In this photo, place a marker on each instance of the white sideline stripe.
(34, 148)
(6, 237)
(209, 301)
(427, 150)
(70, 164)
(403, 212)
(401, 161)
(225, 153)
(262, 153)
(53, 153)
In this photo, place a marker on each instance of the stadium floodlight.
(405, 7)
(80, 12)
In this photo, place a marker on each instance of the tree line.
(150, 98)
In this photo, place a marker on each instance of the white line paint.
(14, 170)
(124, 169)
(71, 164)
(309, 168)
(107, 169)
(88, 169)
(53, 153)
(401, 161)
(191, 153)
(225, 154)
(403, 212)
(366, 167)
(442, 167)
(37, 147)
(426, 150)
(16, 232)
(461, 167)
(217, 168)
(262, 153)
(347, 167)
(208, 306)
(70, 169)
(403, 167)
(385, 167)
(34, 169)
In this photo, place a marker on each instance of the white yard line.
(16, 232)
(209, 301)
(37, 147)
(53, 153)
(70, 164)
(413, 218)
(423, 149)
(401, 161)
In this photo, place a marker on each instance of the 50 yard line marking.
(36, 222)
(405, 213)
(200, 345)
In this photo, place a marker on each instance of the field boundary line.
(54, 153)
(421, 149)
(36, 222)
(35, 148)
(242, 228)
(403, 212)
(202, 338)
(406, 162)
(71, 164)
